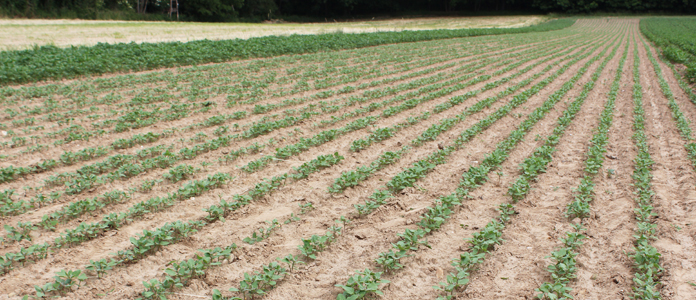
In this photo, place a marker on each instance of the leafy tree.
(212, 10)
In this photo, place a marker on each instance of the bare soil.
(512, 270)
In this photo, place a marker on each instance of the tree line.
(229, 10)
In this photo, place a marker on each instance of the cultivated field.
(495, 167)
(17, 34)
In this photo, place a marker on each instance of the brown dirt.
(104, 246)
(511, 271)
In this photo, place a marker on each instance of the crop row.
(676, 37)
(218, 80)
(149, 98)
(483, 241)
(321, 241)
(76, 209)
(381, 134)
(564, 268)
(216, 120)
(683, 124)
(64, 177)
(309, 247)
(371, 279)
(645, 257)
(152, 240)
(50, 62)
(353, 178)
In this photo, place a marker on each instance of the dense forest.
(226, 10)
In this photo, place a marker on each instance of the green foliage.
(260, 282)
(50, 62)
(362, 284)
(646, 258)
(262, 233)
(179, 173)
(101, 266)
(21, 232)
(675, 36)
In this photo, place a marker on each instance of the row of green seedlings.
(69, 212)
(163, 160)
(353, 178)
(121, 144)
(564, 268)
(11, 172)
(431, 61)
(157, 290)
(74, 132)
(329, 135)
(646, 258)
(135, 119)
(372, 107)
(348, 89)
(152, 241)
(14, 172)
(98, 86)
(216, 120)
(69, 158)
(489, 235)
(390, 91)
(112, 221)
(260, 282)
(98, 125)
(323, 79)
(484, 240)
(423, 167)
(385, 133)
(217, 67)
(140, 118)
(258, 110)
(181, 272)
(84, 182)
(676, 39)
(382, 134)
(87, 183)
(681, 121)
(309, 248)
(683, 84)
(434, 218)
(77, 182)
(84, 231)
(331, 77)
